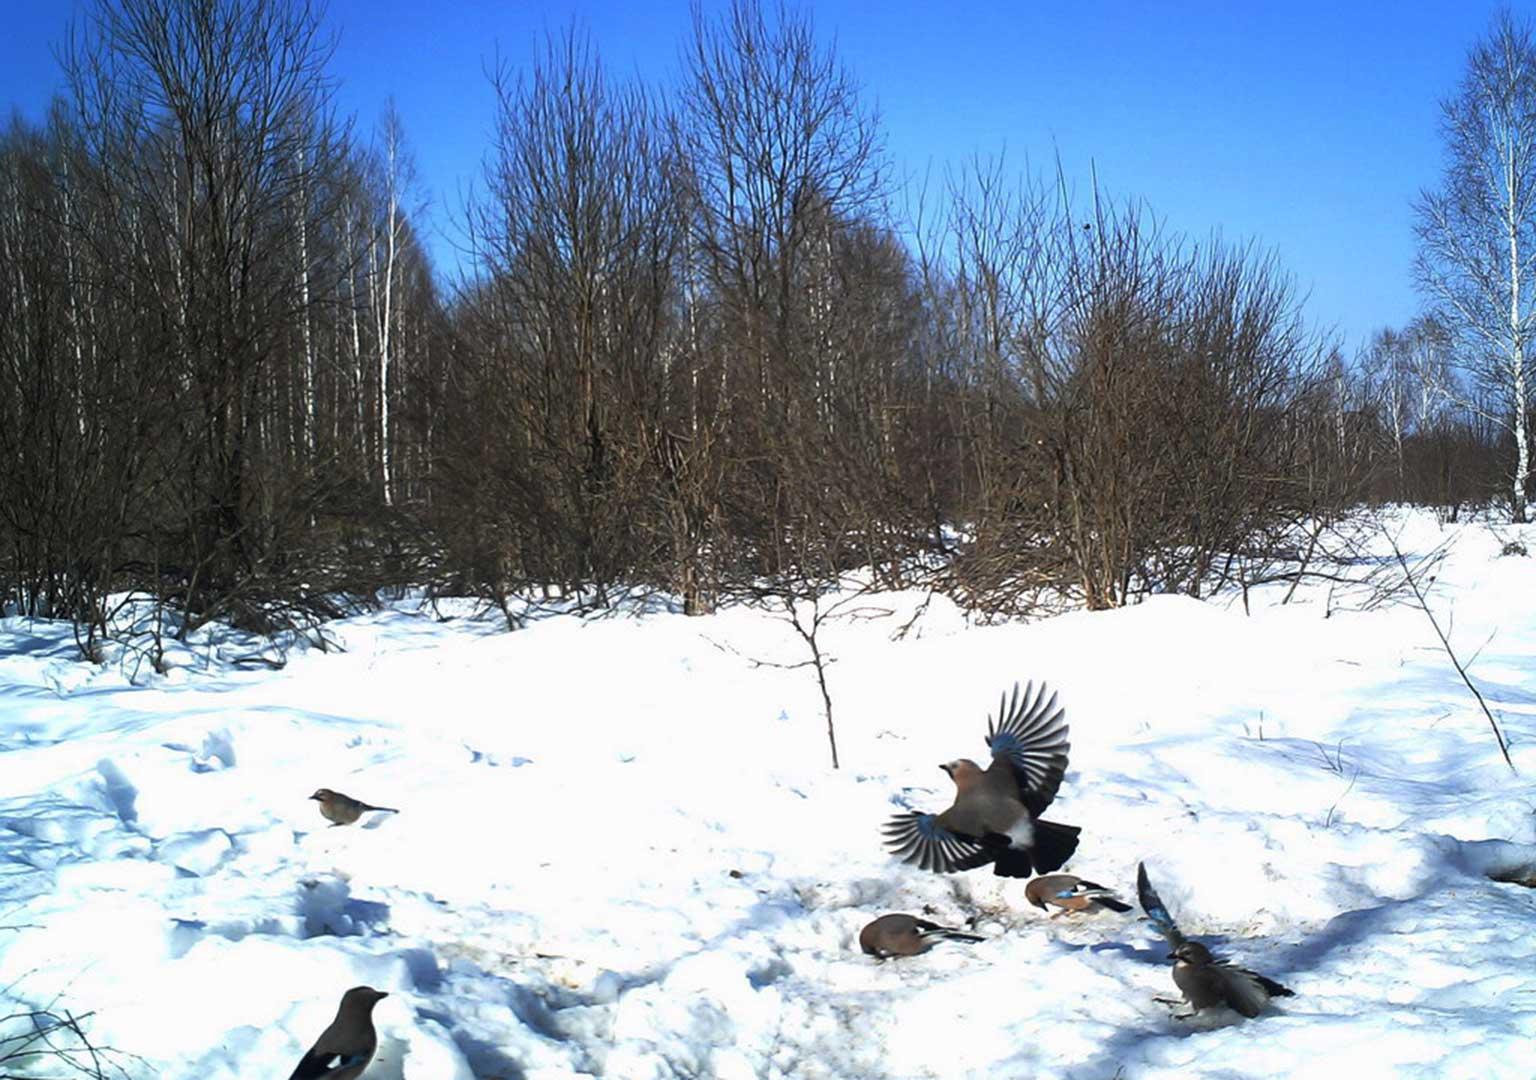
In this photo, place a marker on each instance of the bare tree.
(201, 119)
(397, 172)
(1477, 232)
(777, 158)
(565, 338)
(1388, 366)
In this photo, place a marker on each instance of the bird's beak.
(383, 993)
(946, 769)
(1173, 956)
(316, 797)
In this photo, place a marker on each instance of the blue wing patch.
(1153, 905)
(919, 839)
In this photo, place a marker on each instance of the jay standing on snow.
(1206, 980)
(344, 1049)
(1071, 894)
(906, 935)
(341, 809)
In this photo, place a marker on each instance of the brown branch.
(1450, 652)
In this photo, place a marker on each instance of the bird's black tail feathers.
(1013, 862)
(933, 929)
(1274, 989)
(1113, 904)
(1054, 845)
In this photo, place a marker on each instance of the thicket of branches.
(700, 352)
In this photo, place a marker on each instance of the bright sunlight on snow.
(621, 850)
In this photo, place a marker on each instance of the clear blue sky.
(1308, 126)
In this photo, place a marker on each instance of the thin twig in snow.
(1445, 643)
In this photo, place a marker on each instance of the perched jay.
(341, 809)
(1206, 980)
(344, 1049)
(995, 816)
(906, 935)
(1071, 894)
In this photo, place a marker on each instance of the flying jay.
(995, 816)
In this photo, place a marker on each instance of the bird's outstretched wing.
(1156, 910)
(1031, 733)
(919, 839)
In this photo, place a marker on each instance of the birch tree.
(397, 171)
(1477, 234)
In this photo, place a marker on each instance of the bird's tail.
(1274, 989)
(1099, 894)
(1054, 845)
(381, 809)
(934, 930)
(1014, 862)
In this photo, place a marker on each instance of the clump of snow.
(621, 850)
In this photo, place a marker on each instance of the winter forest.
(816, 458)
(700, 353)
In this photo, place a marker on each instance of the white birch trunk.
(307, 418)
(1512, 199)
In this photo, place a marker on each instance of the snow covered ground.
(621, 851)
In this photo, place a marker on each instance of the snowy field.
(621, 850)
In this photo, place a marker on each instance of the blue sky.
(1305, 126)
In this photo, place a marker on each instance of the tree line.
(703, 349)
